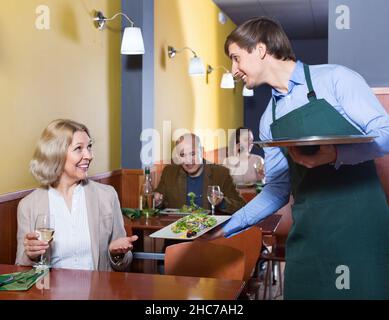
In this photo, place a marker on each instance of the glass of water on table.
(214, 196)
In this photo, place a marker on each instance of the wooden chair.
(204, 259)
(248, 241)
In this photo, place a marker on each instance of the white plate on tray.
(172, 211)
(315, 141)
(167, 233)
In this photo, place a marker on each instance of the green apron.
(340, 217)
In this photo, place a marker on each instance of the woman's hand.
(326, 154)
(34, 247)
(121, 245)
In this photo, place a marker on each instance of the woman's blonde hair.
(48, 161)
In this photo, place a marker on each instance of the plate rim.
(178, 212)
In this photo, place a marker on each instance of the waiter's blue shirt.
(350, 95)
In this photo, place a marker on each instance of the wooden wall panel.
(113, 178)
(8, 226)
(132, 181)
(8, 232)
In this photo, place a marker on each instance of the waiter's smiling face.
(248, 66)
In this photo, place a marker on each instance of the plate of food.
(316, 140)
(190, 227)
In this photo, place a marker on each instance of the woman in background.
(245, 168)
(89, 228)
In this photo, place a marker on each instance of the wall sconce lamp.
(196, 66)
(227, 81)
(132, 41)
(247, 92)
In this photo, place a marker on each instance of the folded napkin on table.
(19, 281)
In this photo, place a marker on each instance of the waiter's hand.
(212, 235)
(326, 154)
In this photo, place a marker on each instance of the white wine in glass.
(45, 234)
(44, 227)
(214, 195)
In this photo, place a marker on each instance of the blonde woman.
(89, 229)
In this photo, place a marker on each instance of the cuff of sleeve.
(232, 226)
(117, 259)
(122, 265)
(25, 261)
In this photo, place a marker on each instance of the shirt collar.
(77, 190)
(297, 78)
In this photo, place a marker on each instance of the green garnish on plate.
(193, 224)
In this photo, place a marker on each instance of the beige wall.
(70, 71)
(192, 102)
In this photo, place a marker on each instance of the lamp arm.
(223, 67)
(120, 14)
(210, 68)
(187, 48)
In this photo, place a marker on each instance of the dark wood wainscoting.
(8, 226)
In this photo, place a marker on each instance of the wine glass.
(44, 227)
(214, 195)
(259, 169)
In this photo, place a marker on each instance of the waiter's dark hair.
(262, 30)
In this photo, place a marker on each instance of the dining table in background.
(143, 227)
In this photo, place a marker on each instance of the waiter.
(338, 246)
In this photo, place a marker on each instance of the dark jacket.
(173, 187)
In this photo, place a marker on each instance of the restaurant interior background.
(73, 70)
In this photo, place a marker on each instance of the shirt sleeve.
(275, 193)
(364, 110)
(118, 232)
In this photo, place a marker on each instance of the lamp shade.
(196, 67)
(247, 92)
(132, 42)
(227, 81)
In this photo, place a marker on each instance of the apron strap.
(311, 94)
(273, 108)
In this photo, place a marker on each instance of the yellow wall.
(70, 71)
(191, 102)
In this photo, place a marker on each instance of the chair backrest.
(204, 259)
(282, 231)
(248, 241)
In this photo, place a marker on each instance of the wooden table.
(143, 227)
(68, 284)
(247, 194)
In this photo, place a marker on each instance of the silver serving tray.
(315, 140)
